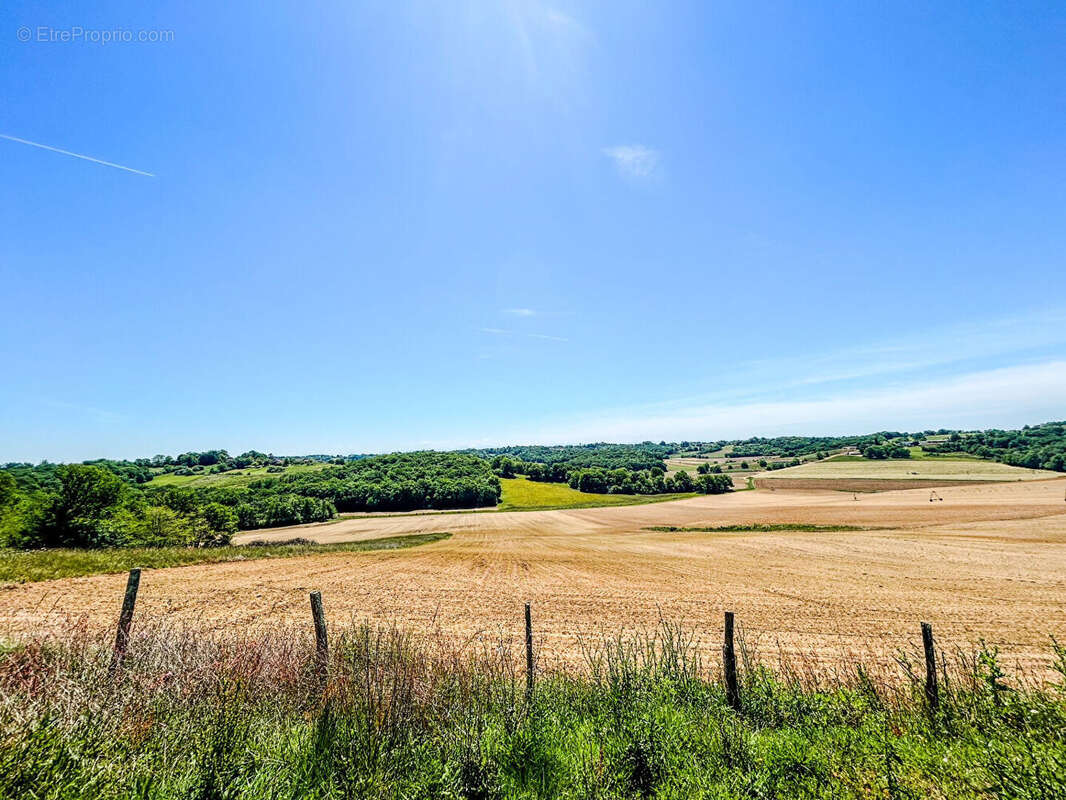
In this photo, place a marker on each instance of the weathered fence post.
(932, 691)
(729, 664)
(529, 653)
(321, 643)
(125, 618)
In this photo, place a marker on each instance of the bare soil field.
(858, 484)
(910, 469)
(988, 562)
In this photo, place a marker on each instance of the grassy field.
(691, 463)
(520, 494)
(687, 463)
(239, 477)
(191, 716)
(19, 566)
(917, 454)
(850, 467)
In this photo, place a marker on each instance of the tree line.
(94, 505)
(879, 452)
(89, 506)
(108, 503)
(625, 481)
(646, 455)
(399, 482)
(1034, 446)
(617, 480)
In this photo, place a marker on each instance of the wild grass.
(759, 527)
(521, 494)
(194, 715)
(27, 566)
(919, 454)
(240, 477)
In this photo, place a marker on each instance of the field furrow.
(989, 561)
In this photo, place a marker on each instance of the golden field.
(908, 469)
(987, 562)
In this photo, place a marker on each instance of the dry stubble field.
(987, 562)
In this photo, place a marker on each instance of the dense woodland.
(1035, 447)
(599, 468)
(617, 480)
(399, 482)
(793, 446)
(143, 470)
(623, 481)
(105, 503)
(603, 455)
(90, 505)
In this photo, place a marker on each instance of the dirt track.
(989, 561)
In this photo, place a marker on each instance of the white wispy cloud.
(520, 312)
(634, 160)
(936, 347)
(541, 336)
(547, 337)
(1009, 396)
(76, 155)
(562, 20)
(550, 45)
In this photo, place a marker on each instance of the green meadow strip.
(28, 566)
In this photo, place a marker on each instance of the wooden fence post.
(125, 618)
(729, 664)
(321, 642)
(932, 691)
(529, 653)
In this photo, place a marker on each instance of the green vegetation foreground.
(27, 566)
(522, 494)
(191, 716)
(93, 506)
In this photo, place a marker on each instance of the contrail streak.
(76, 155)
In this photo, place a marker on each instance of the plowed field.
(989, 561)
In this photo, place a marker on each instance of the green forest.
(617, 480)
(623, 481)
(106, 503)
(601, 454)
(1034, 446)
(398, 482)
(604, 469)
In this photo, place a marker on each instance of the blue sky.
(387, 225)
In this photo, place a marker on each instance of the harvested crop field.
(858, 484)
(987, 562)
(908, 469)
